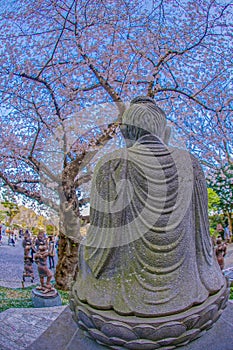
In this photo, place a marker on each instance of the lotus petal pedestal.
(167, 332)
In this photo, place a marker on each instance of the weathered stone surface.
(145, 331)
(169, 330)
(57, 334)
(85, 318)
(207, 325)
(142, 344)
(117, 341)
(188, 336)
(166, 341)
(190, 322)
(219, 337)
(72, 304)
(98, 321)
(148, 274)
(100, 336)
(46, 300)
(156, 332)
(82, 326)
(118, 330)
(208, 314)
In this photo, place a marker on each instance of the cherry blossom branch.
(57, 42)
(103, 82)
(35, 141)
(83, 179)
(49, 88)
(191, 97)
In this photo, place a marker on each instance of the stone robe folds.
(147, 251)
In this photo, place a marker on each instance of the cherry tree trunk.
(229, 220)
(69, 238)
(67, 262)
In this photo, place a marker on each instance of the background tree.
(213, 202)
(214, 210)
(63, 56)
(221, 181)
(10, 210)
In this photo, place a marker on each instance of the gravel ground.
(11, 265)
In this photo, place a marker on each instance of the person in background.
(20, 233)
(3, 229)
(227, 234)
(11, 240)
(51, 248)
(16, 232)
(57, 245)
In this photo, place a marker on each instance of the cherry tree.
(221, 181)
(60, 58)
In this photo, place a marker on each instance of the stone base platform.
(148, 333)
(49, 299)
(63, 334)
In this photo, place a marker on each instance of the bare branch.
(57, 42)
(191, 97)
(103, 82)
(49, 88)
(34, 142)
(83, 179)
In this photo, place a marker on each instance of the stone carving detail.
(148, 277)
(156, 333)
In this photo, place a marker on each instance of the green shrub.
(231, 293)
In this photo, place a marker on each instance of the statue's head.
(219, 240)
(144, 117)
(42, 247)
(40, 235)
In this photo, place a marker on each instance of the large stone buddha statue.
(148, 276)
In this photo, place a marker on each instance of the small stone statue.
(220, 250)
(148, 276)
(28, 264)
(43, 270)
(28, 260)
(40, 240)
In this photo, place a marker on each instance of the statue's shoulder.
(180, 155)
(176, 150)
(184, 154)
(111, 158)
(196, 165)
